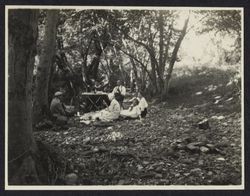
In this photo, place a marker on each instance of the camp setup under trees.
(124, 96)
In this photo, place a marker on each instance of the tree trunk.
(153, 74)
(143, 80)
(41, 104)
(93, 67)
(151, 52)
(173, 59)
(154, 64)
(135, 72)
(22, 49)
(161, 61)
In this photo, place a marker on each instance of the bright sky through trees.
(201, 48)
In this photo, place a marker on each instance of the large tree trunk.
(154, 64)
(94, 66)
(41, 105)
(22, 49)
(173, 59)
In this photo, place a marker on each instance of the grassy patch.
(212, 87)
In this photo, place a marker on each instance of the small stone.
(220, 159)
(95, 149)
(217, 97)
(217, 101)
(225, 132)
(210, 173)
(225, 124)
(192, 159)
(180, 146)
(222, 144)
(186, 174)
(145, 162)
(198, 93)
(224, 138)
(177, 175)
(211, 146)
(71, 179)
(187, 161)
(159, 168)
(139, 167)
(202, 138)
(204, 149)
(86, 140)
(203, 124)
(220, 117)
(201, 162)
(121, 182)
(193, 146)
(158, 175)
(231, 98)
(196, 170)
(165, 181)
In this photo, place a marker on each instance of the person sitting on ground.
(112, 112)
(143, 105)
(133, 111)
(57, 109)
(120, 90)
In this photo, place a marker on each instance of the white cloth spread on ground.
(143, 104)
(120, 89)
(133, 113)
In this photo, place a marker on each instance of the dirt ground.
(169, 147)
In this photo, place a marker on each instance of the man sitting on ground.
(57, 109)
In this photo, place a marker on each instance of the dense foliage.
(133, 45)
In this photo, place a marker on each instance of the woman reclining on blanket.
(112, 112)
(138, 109)
(133, 111)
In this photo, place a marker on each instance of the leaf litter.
(168, 147)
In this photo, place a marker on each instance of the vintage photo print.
(124, 98)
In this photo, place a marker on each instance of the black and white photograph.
(125, 98)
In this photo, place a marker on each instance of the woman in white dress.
(133, 111)
(112, 112)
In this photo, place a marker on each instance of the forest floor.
(167, 148)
